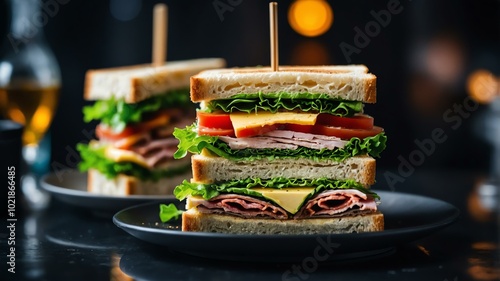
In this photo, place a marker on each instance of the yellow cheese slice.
(289, 199)
(242, 120)
(121, 155)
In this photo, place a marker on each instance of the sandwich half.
(137, 109)
(287, 152)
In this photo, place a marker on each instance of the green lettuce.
(117, 114)
(274, 102)
(94, 158)
(168, 212)
(244, 187)
(189, 141)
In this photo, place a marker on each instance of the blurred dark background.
(422, 59)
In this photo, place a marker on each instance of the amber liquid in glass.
(33, 107)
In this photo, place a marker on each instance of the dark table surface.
(65, 243)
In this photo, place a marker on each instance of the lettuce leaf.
(94, 158)
(273, 102)
(189, 141)
(168, 212)
(117, 113)
(243, 187)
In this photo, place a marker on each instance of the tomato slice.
(360, 126)
(220, 120)
(300, 128)
(345, 133)
(104, 132)
(160, 119)
(356, 122)
(207, 131)
(255, 131)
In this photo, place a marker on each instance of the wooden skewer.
(273, 24)
(160, 28)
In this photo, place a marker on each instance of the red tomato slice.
(300, 128)
(206, 131)
(214, 120)
(344, 133)
(103, 132)
(160, 119)
(355, 122)
(255, 131)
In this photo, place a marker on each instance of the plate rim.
(443, 223)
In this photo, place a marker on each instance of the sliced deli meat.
(239, 205)
(154, 145)
(333, 202)
(330, 203)
(284, 139)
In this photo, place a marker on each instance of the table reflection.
(64, 243)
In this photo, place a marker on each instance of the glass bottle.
(30, 80)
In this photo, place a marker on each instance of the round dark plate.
(71, 187)
(408, 217)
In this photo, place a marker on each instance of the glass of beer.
(30, 80)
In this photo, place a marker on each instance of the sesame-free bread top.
(209, 169)
(349, 82)
(139, 82)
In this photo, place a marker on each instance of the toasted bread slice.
(124, 185)
(338, 82)
(192, 220)
(208, 169)
(139, 82)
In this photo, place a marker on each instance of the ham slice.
(283, 139)
(256, 142)
(148, 147)
(338, 202)
(158, 157)
(330, 203)
(240, 205)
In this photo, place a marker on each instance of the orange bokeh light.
(310, 17)
(483, 86)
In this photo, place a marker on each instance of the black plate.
(71, 187)
(407, 218)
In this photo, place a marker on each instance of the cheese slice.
(121, 155)
(289, 199)
(242, 120)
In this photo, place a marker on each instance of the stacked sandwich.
(287, 152)
(137, 109)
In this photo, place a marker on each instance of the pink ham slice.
(334, 203)
(331, 203)
(150, 146)
(161, 156)
(283, 139)
(240, 205)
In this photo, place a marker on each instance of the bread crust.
(124, 185)
(351, 82)
(139, 82)
(208, 169)
(192, 220)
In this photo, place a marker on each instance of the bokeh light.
(483, 86)
(310, 17)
